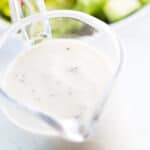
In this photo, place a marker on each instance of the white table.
(126, 124)
(135, 35)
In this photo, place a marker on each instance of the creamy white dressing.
(61, 77)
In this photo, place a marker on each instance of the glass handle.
(24, 8)
(15, 10)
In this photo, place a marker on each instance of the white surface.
(126, 124)
(135, 35)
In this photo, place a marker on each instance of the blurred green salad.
(107, 10)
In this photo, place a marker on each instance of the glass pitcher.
(62, 24)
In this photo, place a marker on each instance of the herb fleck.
(58, 82)
(20, 148)
(70, 93)
(21, 80)
(74, 69)
(16, 75)
(38, 99)
(51, 95)
(67, 48)
(33, 91)
(23, 75)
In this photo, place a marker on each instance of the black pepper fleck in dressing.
(23, 75)
(51, 95)
(74, 69)
(67, 48)
(21, 80)
(16, 76)
(37, 99)
(58, 82)
(69, 93)
(33, 91)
